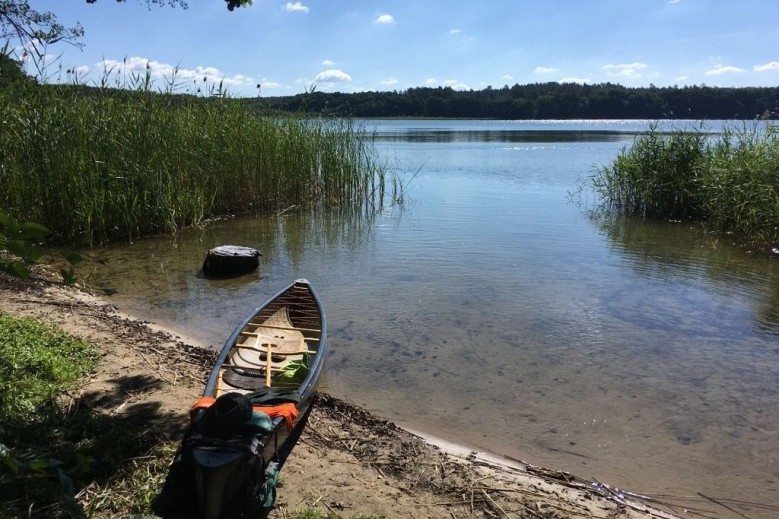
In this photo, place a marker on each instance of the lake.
(495, 310)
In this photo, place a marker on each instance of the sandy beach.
(348, 461)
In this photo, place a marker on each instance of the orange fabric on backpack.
(202, 403)
(287, 411)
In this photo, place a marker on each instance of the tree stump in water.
(230, 260)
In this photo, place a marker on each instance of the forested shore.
(541, 101)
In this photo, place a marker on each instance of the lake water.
(491, 310)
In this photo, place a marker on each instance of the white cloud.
(680, 78)
(624, 70)
(328, 63)
(507, 77)
(158, 70)
(723, 69)
(453, 83)
(454, 31)
(544, 70)
(389, 81)
(267, 83)
(296, 7)
(774, 65)
(331, 76)
(385, 19)
(570, 79)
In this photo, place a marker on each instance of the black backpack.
(218, 471)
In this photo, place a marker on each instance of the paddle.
(268, 366)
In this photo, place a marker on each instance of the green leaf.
(24, 250)
(68, 276)
(72, 257)
(38, 464)
(34, 230)
(17, 268)
(6, 222)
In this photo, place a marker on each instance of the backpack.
(218, 472)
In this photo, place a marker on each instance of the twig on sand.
(358, 479)
(494, 503)
(723, 505)
(331, 509)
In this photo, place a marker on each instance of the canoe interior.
(288, 328)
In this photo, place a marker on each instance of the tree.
(231, 4)
(11, 70)
(34, 30)
(20, 22)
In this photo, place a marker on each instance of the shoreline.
(348, 461)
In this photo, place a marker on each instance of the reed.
(729, 180)
(103, 164)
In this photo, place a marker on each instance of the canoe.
(254, 407)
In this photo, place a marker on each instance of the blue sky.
(361, 45)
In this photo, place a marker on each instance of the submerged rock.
(230, 260)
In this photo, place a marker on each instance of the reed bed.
(95, 165)
(729, 180)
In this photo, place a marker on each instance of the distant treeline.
(541, 101)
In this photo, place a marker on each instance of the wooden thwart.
(248, 368)
(277, 327)
(274, 352)
(255, 334)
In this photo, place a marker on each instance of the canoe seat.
(248, 361)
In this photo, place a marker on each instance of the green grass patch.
(729, 180)
(319, 513)
(132, 489)
(37, 363)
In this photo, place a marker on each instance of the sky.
(289, 48)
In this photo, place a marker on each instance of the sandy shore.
(348, 461)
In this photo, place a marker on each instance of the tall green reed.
(729, 180)
(657, 177)
(105, 164)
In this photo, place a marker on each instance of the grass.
(134, 487)
(102, 164)
(59, 457)
(318, 513)
(730, 180)
(37, 363)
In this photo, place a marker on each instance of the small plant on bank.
(312, 512)
(21, 243)
(19, 240)
(36, 364)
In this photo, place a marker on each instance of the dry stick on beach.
(496, 504)
(723, 505)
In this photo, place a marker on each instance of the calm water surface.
(492, 311)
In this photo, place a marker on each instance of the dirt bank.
(348, 461)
